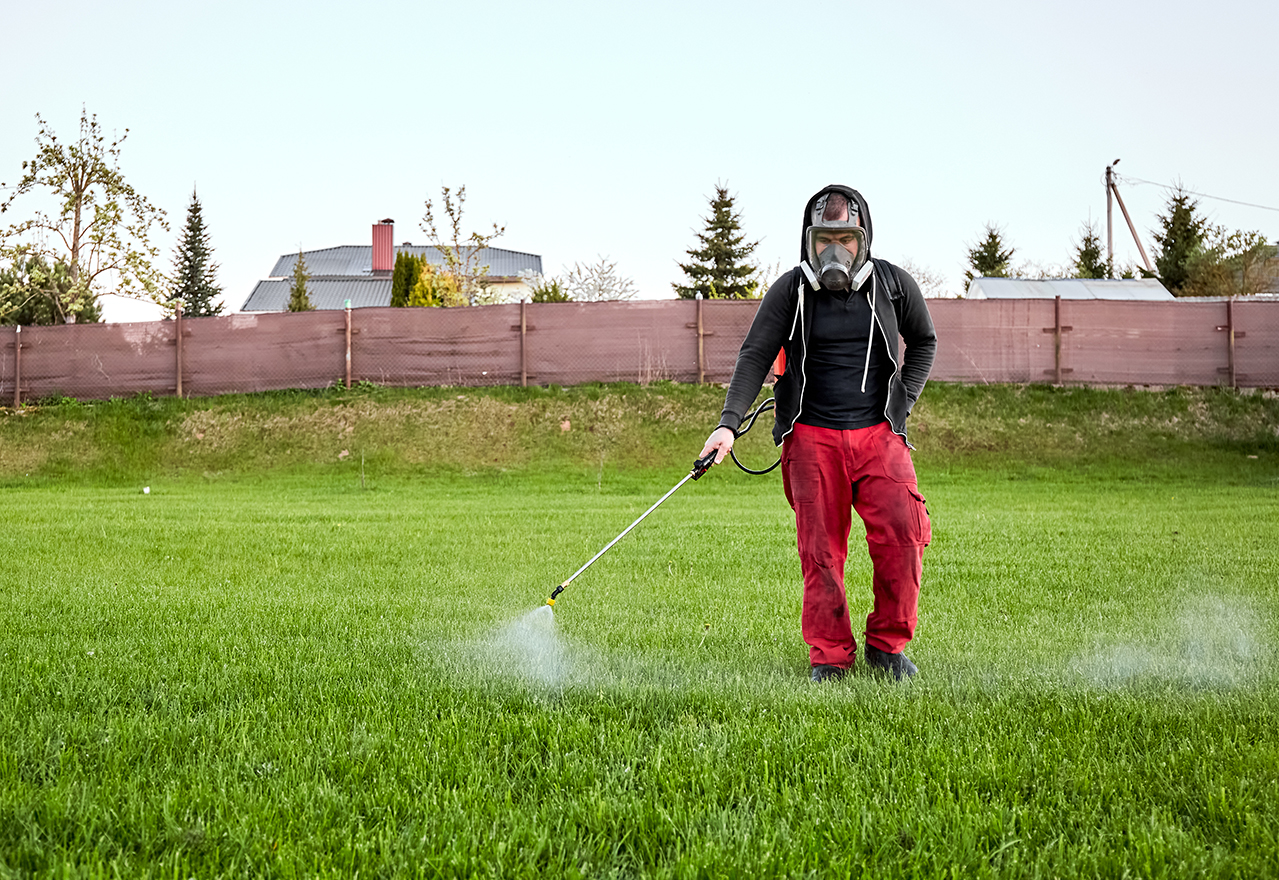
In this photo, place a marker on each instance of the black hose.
(749, 421)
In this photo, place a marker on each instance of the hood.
(854, 196)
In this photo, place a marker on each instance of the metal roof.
(1148, 289)
(272, 295)
(356, 261)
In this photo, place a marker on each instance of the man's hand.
(721, 440)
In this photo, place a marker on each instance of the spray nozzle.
(554, 593)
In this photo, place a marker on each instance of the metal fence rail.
(997, 341)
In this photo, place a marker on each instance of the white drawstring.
(799, 311)
(870, 335)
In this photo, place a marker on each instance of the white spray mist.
(531, 648)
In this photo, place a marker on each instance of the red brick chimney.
(383, 246)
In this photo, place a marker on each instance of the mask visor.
(853, 239)
(844, 244)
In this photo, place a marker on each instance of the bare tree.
(598, 282)
(461, 251)
(931, 284)
(101, 226)
(1040, 271)
(765, 276)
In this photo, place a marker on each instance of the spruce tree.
(299, 299)
(1180, 237)
(719, 269)
(406, 277)
(1088, 255)
(402, 279)
(989, 258)
(194, 272)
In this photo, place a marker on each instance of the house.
(362, 273)
(1132, 289)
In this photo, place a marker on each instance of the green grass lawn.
(265, 668)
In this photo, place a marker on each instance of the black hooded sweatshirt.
(785, 321)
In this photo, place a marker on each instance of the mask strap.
(862, 274)
(810, 275)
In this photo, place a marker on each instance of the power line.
(1192, 192)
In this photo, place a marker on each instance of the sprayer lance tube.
(701, 466)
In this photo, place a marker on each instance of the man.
(842, 401)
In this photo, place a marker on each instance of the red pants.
(827, 474)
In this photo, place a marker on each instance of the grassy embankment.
(270, 665)
(502, 430)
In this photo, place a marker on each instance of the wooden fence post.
(348, 345)
(523, 346)
(17, 366)
(177, 323)
(701, 347)
(1230, 322)
(1057, 340)
(1056, 330)
(1231, 335)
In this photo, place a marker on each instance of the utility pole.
(1133, 229)
(1110, 242)
(1110, 235)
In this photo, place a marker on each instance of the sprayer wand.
(700, 466)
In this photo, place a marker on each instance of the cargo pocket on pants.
(925, 529)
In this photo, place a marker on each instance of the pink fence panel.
(993, 340)
(414, 347)
(99, 360)
(725, 324)
(1256, 344)
(1142, 343)
(570, 343)
(271, 352)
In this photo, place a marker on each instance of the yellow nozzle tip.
(550, 601)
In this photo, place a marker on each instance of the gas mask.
(842, 246)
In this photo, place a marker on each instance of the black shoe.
(826, 672)
(897, 665)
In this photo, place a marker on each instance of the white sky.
(598, 129)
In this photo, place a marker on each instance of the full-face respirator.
(836, 249)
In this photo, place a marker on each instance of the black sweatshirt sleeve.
(916, 329)
(767, 334)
